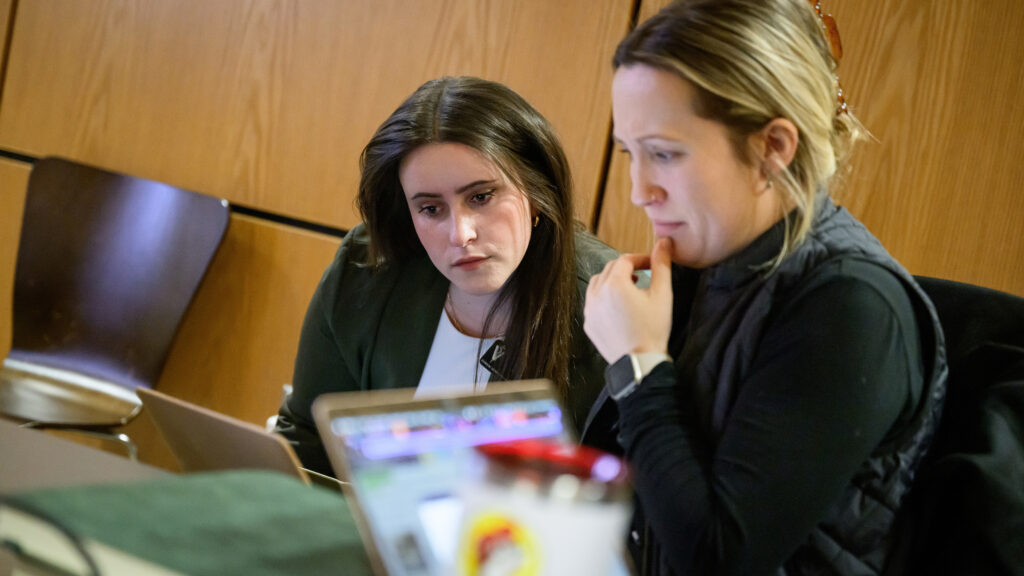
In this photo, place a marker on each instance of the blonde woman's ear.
(780, 139)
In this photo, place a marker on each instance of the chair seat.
(49, 396)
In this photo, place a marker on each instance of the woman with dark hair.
(778, 384)
(469, 266)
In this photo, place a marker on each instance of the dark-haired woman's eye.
(428, 209)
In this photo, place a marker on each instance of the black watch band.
(624, 376)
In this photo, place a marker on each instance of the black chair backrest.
(965, 513)
(107, 266)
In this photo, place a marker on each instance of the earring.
(767, 175)
(536, 220)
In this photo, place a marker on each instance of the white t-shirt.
(452, 363)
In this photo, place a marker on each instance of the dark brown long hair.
(540, 296)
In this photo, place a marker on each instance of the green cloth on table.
(238, 522)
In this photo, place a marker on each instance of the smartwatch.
(624, 376)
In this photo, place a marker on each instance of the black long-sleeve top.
(836, 369)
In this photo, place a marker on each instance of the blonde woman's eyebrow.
(644, 139)
(658, 137)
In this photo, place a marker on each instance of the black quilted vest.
(731, 310)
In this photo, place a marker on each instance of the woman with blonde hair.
(777, 385)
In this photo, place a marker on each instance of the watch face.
(621, 377)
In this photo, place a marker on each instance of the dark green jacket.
(372, 330)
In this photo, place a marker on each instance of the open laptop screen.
(431, 429)
(407, 459)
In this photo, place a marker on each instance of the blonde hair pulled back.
(752, 61)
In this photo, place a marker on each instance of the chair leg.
(117, 437)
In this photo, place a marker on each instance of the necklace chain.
(450, 308)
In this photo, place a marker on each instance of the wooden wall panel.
(938, 84)
(13, 183)
(268, 103)
(13, 180)
(237, 345)
(242, 331)
(5, 14)
(621, 224)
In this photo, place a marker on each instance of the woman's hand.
(620, 318)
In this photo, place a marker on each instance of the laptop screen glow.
(406, 468)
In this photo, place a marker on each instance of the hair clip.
(828, 25)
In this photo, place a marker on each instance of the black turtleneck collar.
(755, 259)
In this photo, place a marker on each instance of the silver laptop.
(204, 440)
(407, 462)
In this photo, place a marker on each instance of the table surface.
(34, 460)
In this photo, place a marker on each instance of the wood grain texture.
(269, 102)
(5, 19)
(237, 345)
(13, 184)
(938, 84)
(621, 224)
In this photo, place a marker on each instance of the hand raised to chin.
(619, 317)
